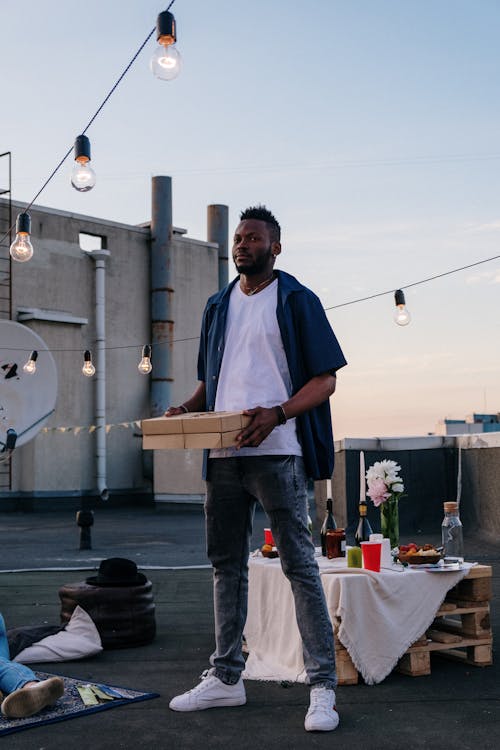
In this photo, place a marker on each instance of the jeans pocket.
(280, 483)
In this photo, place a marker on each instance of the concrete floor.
(458, 706)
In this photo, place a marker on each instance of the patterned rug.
(71, 705)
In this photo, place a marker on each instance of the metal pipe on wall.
(217, 231)
(99, 257)
(162, 324)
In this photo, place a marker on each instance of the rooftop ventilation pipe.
(162, 324)
(217, 231)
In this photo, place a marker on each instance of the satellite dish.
(26, 400)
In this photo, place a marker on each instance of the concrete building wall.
(61, 278)
(481, 482)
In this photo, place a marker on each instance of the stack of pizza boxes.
(193, 430)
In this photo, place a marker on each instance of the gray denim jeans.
(278, 483)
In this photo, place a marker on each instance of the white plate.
(444, 568)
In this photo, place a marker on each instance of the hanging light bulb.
(166, 61)
(82, 176)
(402, 317)
(22, 249)
(88, 368)
(145, 365)
(30, 366)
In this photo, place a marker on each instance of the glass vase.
(389, 520)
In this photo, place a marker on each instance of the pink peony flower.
(377, 491)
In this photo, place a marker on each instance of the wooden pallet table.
(347, 674)
(461, 630)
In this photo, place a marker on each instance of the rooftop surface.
(456, 706)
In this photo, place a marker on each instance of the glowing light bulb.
(402, 317)
(30, 366)
(166, 61)
(22, 249)
(83, 176)
(145, 365)
(88, 368)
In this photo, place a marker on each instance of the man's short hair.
(261, 213)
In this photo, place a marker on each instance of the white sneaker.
(322, 715)
(210, 693)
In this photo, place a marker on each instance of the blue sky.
(370, 128)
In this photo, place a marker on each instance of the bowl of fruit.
(415, 554)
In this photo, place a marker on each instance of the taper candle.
(362, 480)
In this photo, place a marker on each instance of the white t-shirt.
(254, 370)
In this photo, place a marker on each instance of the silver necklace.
(259, 286)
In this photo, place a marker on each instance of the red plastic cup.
(268, 537)
(371, 552)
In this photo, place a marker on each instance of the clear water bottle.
(452, 533)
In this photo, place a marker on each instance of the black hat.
(117, 571)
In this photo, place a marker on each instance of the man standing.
(266, 348)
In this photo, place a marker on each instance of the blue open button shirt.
(311, 349)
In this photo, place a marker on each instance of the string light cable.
(414, 283)
(330, 307)
(94, 116)
(146, 350)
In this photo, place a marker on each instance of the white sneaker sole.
(310, 727)
(178, 705)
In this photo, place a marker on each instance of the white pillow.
(79, 638)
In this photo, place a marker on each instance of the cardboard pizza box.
(193, 430)
(195, 422)
(163, 442)
(222, 421)
(211, 439)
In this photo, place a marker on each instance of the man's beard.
(253, 268)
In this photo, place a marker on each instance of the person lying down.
(23, 693)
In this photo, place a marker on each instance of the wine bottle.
(364, 529)
(328, 525)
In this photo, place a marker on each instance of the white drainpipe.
(99, 257)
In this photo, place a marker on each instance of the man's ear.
(276, 248)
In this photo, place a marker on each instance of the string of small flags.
(78, 429)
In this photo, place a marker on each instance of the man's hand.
(196, 402)
(173, 411)
(263, 423)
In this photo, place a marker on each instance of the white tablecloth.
(378, 616)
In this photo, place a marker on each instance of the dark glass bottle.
(328, 525)
(364, 529)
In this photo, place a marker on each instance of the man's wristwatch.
(281, 414)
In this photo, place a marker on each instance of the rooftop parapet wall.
(429, 468)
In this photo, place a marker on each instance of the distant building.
(471, 425)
